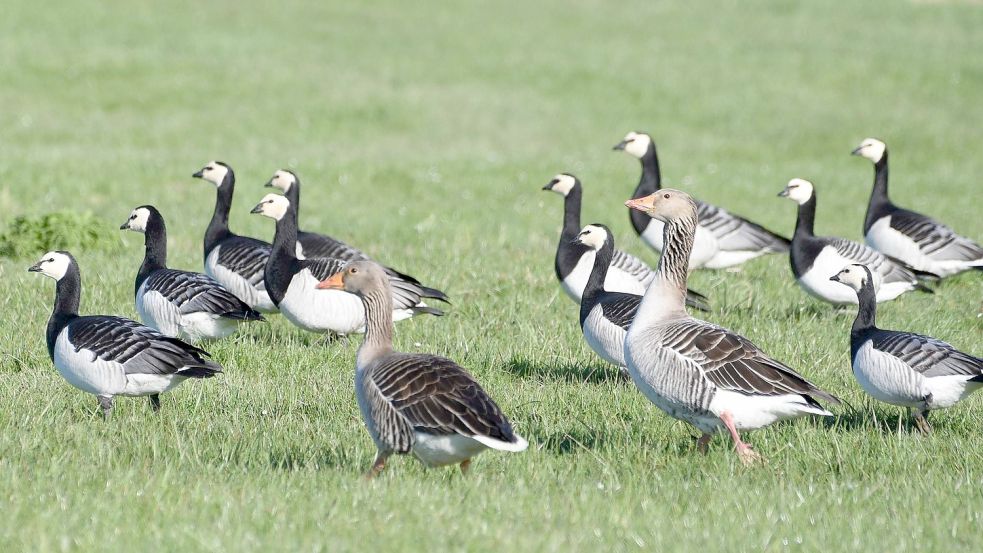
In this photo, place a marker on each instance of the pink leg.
(465, 466)
(744, 451)
(703, 443)
(377, 466)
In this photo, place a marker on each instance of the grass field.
(423, 133)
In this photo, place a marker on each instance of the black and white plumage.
(574, 261)
(605, 315)
(722, 238)
(697, 371)
(816, 258)
(180, 304)
(917, 240)
(904, 368)
(291, 282)
(236, 262)
(111, 356)
(416, 403)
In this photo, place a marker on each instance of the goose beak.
(549, 185)
(783, 193)
(643, 204)
(257, 209)
(835, 278)
(36, 268)
(333, 282)
(620, 145)
(197, 174)
(856, 151)
(125, 226)
(269, 184)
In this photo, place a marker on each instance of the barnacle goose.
(180, 304)
(111, 356)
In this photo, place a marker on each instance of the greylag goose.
(416, 403)
(110, 356)
(697, 371)
(722, 238)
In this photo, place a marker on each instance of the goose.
(312, 244)
(416, 403)
(111, 356)
(605, 315)
(291, 282)
(904, 368)
(722, 238)
(696, 371)
(816, 258)
(919, 241)
(180, 304)
(574, 261)
(236, 262)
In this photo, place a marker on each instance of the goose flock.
(633, 316)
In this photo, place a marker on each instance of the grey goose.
(416, 403)
(722, 238)
(573, 261)
(180, 304)
(903, 368)
(696, 371)
(918, 240)
(111, 356)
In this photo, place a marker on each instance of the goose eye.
(353, 270)
(50, 260)
(666, 195)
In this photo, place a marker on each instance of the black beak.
(257, 209)
(856, 151)
(125, 226)
(269, 184)
(620, 145)
(197, 174)
(36, 268)
(549, 186)
(835, 278)
(783, 193)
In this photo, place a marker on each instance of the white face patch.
(798, 190)
(563, 184)
(214, 172)
(273, 206)
(637, 144)
(872, 149)
(54, 265)
(855, 276)
(592, 236)
(282, 180)
(138, 219)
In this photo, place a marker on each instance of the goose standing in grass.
(696, 371)
(292, 282)
(605, 315)
(236, 262)
(416, 403)
(111, 356)
(816, 258)
(722, 238)
(919, 241)
(574, 261)
(180, 304)
(904, 368)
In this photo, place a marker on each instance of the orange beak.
(644, 203)
(333, 282)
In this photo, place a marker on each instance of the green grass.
(423, 134)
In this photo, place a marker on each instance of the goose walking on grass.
(574, 260)
(816, 258)
(292, 282)
(722, 238)
(236, 262)
(180, 304)
(697, 371)
(416, 403)
(919, 241)
(904, 368)
(111, 356)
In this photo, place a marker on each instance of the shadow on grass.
(884, 422)
(569, 442)
(565, 372)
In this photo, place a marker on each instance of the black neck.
(568, 253)
(879, 201)
(805, 222)
(282, 264)
(155, 249)
(595, 283)
(68, 292)
(866, 312)
(650, 182)
(218, 228)
(293, 194)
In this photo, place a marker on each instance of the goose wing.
(406, 294)
(320, 245)
(890, 271)
(620, 308)
(927, 355)
(735, 233)
(139, 349)
(245, 257)
(195, 292)
(633, 266)
(731, 362)
(935, 239)
(410, 393)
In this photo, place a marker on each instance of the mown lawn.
(423, 133)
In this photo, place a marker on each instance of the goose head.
(871, 148)
(666, 205)
(358, 277)
(282, 180)
(562, 184)
(635, 143)
(214, 172)
(798, 190)
(53, 264)
(593, 236)
(857, 276)
(273, 206)
(139, 218)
